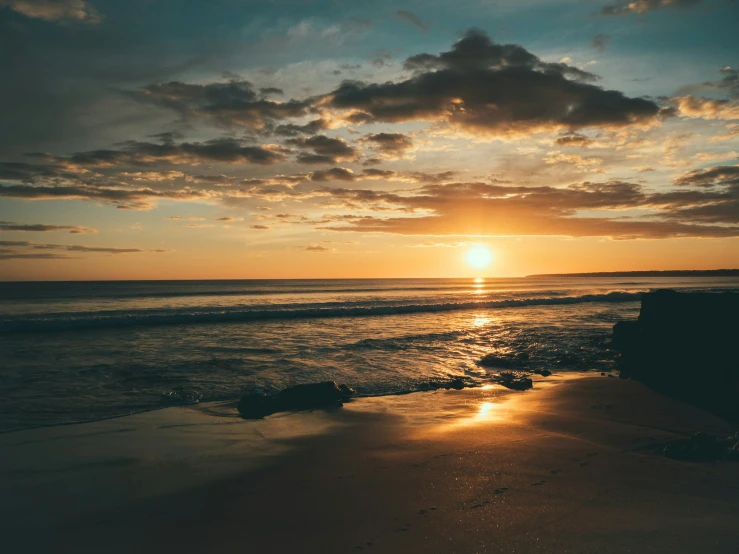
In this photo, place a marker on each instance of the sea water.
(79, 351)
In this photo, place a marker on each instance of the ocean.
(80, 351)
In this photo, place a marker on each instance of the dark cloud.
(317, 248)
(9, 255)
(271, 91)
(103, 249)
(310, 128)
(21, 171)
(231, 103)
(714, 176)
(573, 139)
(259, 227)
(324, 150)
(381, 58)
(60, 11)
(414, 19)
(228, 219)
(626, 7)
(333, 174)
(477, 52)
(30, 250)
(44, 228)
(222, 150)
(390, 145)
(483, 87)
(600, 42)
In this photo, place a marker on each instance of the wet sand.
(571, 466)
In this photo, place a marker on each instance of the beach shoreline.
(573, 465)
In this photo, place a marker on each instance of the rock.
(257, 406)
(456, 384)
(493, 360)
(347, 390)
(515, 382)
(543, 372)
(733, 454)
(312, 395)
(298, 397)
(684, 345)
(700, 448)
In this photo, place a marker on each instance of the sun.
(479, 257)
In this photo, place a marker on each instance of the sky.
(237, 139)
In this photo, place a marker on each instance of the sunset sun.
(479, 257)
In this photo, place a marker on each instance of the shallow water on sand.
(81, 351)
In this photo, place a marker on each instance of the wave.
(180, 317)
(89, 293)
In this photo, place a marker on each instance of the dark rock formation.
(685, 345)
(543, 372)
(516, 382)
(457, 384)
(299, 397)
(703, 448)
(257, 406)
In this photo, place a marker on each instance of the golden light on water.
(479, 257)
(480, 320)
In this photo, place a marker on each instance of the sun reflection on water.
(480, 320)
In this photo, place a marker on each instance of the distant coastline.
(668, 273)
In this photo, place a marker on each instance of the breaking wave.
(61, 322)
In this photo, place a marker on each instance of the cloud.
(627, 7)
(130, 199)
(713, 176)
(32, 250)
(10, 255)
(221, 150)
(381, 58)
(324, 150)
(600, 42)
(414, 19)
(60, 11)
(259, 227)
(228, 219)
(706, 108)
(310, 128)
(485, 88)
(44, 228)
(181, 218)
(103, 249)
(578, 210)
(732, 132)
(710, 156)
(589, 164)
(728, 84)
(317, 248)
(232, 103)
(574, 139)
(390, 145)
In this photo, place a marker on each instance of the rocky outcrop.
(685, 345)
(515, 381)
(702, 447)
(299, 397)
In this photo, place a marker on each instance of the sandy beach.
(573, 465)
